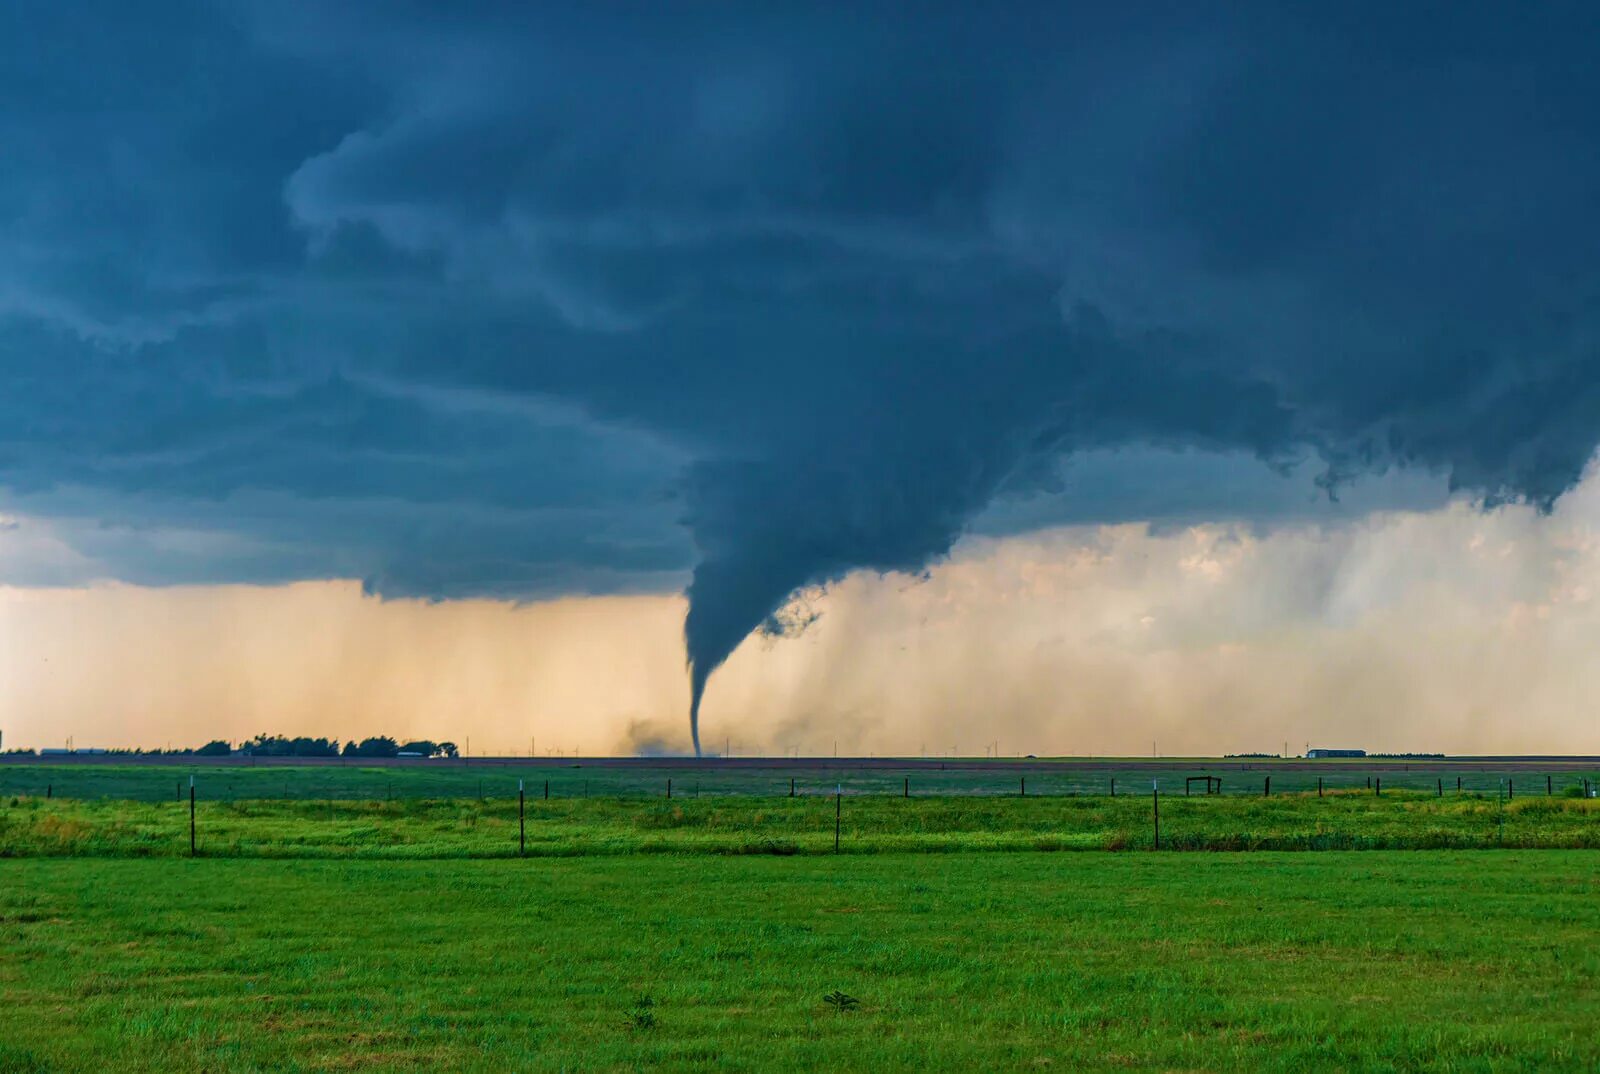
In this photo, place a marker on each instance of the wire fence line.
(794, 821)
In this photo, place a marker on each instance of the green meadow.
(493, 827)
(1428, 961)
(1406, 931)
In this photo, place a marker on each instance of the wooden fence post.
(1266, 787)
(906, 792)
(1319, 786)
(191, 817)
(1500, 815)
(1379, 788)
(669, 788)
(1155, 809)
(522, 822)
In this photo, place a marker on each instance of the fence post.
(1511, 789)
(1458, 784)
(1023, 782)
(1441, 787)
(1500, 818)
(49, 789)
(669, 788)
(1155, 809)
(1547, 791)
(1113, 786)
(1319, 786)
(791, 786)
(907, 792)
(1266, 787)
(1379, 788)
(522, 822)
(191, 817)
(547, 790)
(1369, 783)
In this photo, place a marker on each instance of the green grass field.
(1429, 961)
(458, 828)
(400, 931)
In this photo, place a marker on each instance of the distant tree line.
(376, 746)
(264, 745)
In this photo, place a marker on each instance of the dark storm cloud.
(523, 300)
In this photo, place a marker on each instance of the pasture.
(404, 918)
(497, 827)
(1430, 961)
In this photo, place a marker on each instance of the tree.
(277, 746)
(448, 749)
(215, 748)
(422, 746)
(379, 746)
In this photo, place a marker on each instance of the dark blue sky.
(542, 299)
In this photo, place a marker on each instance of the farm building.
(1335, 753)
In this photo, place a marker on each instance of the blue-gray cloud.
(515, 300)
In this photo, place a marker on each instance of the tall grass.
(468, 828)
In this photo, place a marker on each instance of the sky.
(912, 377)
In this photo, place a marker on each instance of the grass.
(1091, 962)
(469, 828)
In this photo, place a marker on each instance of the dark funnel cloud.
(517, 301)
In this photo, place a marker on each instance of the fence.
(501, 820)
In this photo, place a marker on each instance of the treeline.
(377, 746)
(264, 745)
